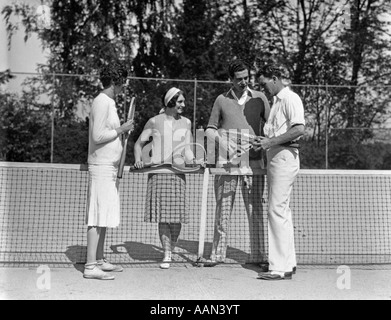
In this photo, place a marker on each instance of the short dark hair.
(172, 102)
(269, 68)
(236, 66)
(113, 73)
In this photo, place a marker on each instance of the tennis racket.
(123, 155)
(179, 162)
(237, 144)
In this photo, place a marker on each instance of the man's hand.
(255, 142)
(262, 143)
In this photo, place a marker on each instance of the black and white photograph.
(195, 157)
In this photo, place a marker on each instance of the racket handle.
(204, 202)
(120, 173)
(133, 168)
(122, 163)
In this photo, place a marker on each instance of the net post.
(204, 202)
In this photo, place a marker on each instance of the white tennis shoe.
(166, 261)
(104, 265)
(95, 272)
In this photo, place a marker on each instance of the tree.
(241, 31)
(71, 141)
(196, 39)
(86, 35)
(5, 76)
(196, 30)
(24, 128)
(369, 56)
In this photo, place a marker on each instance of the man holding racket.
(104, 154)
(282, 131)
(245, 111)
(166, 201)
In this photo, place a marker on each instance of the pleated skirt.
(103, 203)
(166, 199)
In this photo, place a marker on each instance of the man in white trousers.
(284, 127)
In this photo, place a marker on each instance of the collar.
(246, 93)
(283, 93)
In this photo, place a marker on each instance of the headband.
(169, 95)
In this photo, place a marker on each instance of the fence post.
(195, 108)
(327, 131)
(52, 124)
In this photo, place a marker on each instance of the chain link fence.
(46, 120)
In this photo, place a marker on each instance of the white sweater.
(105, 146)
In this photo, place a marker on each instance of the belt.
(291, 144)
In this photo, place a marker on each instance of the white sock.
(90, 265)
(167, 255)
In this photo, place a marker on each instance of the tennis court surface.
(185, 282)
(341, 218)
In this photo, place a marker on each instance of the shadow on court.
(137, 252)
(76, 253)
(252, 267)
(234, 255)
(140, 252)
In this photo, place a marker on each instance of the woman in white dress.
(106, 136)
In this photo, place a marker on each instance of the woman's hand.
(128, 126)
(139, 164)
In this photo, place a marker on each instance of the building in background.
(21, 56)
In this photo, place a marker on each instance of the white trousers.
(283, 165)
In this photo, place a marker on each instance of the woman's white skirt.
(103, 204)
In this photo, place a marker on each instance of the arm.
(138, 146)
(213, 125)
(267, 108)
(140, 143)
(214, 118)
(294, 113)
(125, 128)
(226, 145)
(100, 132)
(265, 114)
(263, 120)
(292, 134)
(189, 155)
(211, 134)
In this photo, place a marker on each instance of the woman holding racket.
(166, 201)
(104, 154)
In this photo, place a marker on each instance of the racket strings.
(236, 143)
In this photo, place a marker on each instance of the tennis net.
(340, 217)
